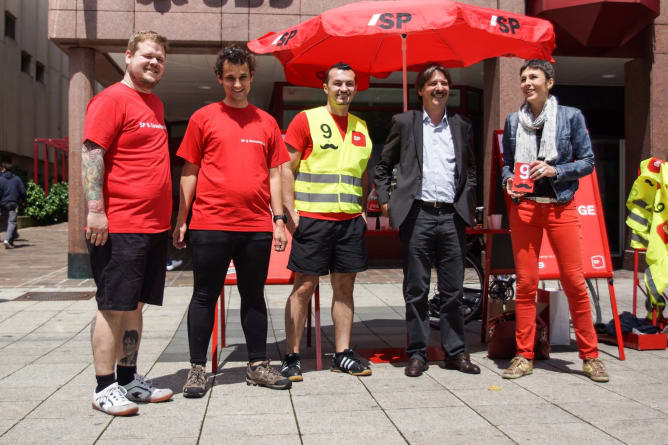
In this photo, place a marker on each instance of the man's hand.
(280, 240)
(364, 217)
(384, 211)
(293, 221)
(179, 236)
(509, 190)
(98, 228)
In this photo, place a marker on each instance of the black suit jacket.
(404, 146)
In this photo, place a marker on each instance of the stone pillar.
(81, 89)
(646, 111)
(636, 133)
(658, 87)
(501, 95)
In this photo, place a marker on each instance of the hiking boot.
(346, 362)
(265, 375)
(595, 370)
(519, 367)
(112, 400)
(195, 382)
(142, 390)
(292, 368)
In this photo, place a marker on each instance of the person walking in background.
(431, 207)
(551, 145)
(12, 193)
(127, 185)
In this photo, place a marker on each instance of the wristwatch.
(281, 218)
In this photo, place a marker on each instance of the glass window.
(374, 96)
(10, 26)
(25, 62)
(40, 72)
(473, 101)
(455, 98)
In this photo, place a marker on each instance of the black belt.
(434, 205)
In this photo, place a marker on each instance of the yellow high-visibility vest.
(641, 198)
(648, 220)
(656, 275)
(330, 179)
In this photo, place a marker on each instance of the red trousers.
(528, 219)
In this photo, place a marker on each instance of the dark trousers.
(12, 232)
(212, 252)
(433, 235)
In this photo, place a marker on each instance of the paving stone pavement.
(47, 377)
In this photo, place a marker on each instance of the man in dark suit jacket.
(431, 206)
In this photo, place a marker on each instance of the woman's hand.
(541, 169)
(509, 189)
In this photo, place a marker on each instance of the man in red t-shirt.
(126, 181)
(233, 151)
(326, 181)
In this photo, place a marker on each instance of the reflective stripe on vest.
(329, 180)
(328, 197)
(638, 241)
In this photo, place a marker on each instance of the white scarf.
(526, 150)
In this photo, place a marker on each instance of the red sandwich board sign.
(596, 260)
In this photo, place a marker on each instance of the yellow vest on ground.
(656, 275)
(641, 199)
(648, 220)
(330, 179)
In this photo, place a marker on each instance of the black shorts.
(320, 246)
(129, 268)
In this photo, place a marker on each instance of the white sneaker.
(112, 400)
(173, 264)
(141, 390)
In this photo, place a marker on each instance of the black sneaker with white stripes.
(292, 368)
(346, 362)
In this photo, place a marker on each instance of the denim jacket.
(575, 156)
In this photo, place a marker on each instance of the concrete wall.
(30, 108)
(195, 23)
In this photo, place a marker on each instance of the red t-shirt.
(299, 137)
(130, 126)
(235, 148)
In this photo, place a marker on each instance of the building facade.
(34, 81)
(616, 80)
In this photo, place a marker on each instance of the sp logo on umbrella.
(506, 25)
(389, 20)
(283, 39)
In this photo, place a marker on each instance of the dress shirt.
(438, 161)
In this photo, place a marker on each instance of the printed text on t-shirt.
(151, 125)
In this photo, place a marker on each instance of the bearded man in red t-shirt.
(127, 184)
(233, 151)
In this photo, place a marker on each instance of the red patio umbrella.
(377, 38)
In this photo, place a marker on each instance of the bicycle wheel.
(471, 301)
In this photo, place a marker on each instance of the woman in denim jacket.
(548, 143)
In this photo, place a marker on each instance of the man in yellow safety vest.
(324, 191)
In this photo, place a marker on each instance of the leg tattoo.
(130, 348)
